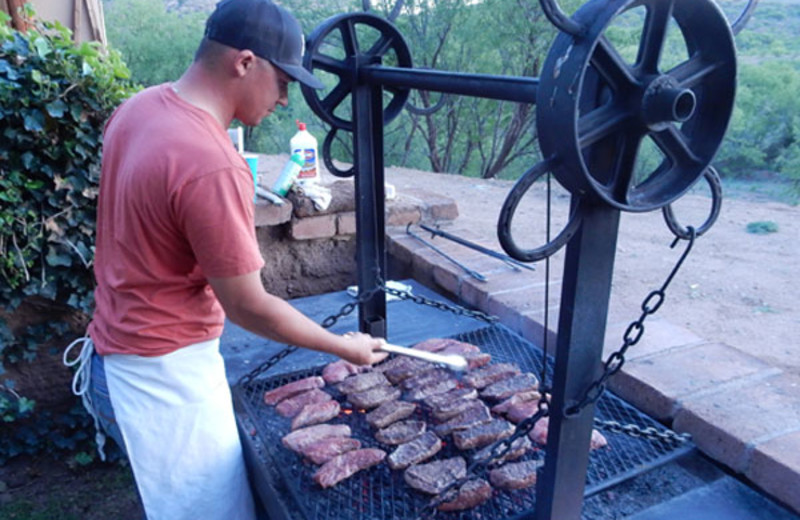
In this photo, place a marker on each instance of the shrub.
(55, 97)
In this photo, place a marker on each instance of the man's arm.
(250, 306)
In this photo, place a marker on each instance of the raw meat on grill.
(539, 435)
(521, 411)
(471, 494)
(508, 387)
(299, 439)
(449, 410)
(519, 447)
(434, 477)
(423, 378)
(515, 475)
(433, 344)
(346, 465)
(405, 368)
(422, 448)
(401, 432)
(477, 359)
(277, 395)
(438, 401)
(489, 374)
(390, 412)
(459, 347)
(337, 371)
(291, 406)
(477, 413)
(483, 434)
(530, 395)
(361, 382)
(315, 413)
(432, 388)
(325, 449)
(374, 397)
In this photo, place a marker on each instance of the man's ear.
(244, 61)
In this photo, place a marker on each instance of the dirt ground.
(736, 287)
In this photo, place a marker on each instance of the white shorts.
(176, 417)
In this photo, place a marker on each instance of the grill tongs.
(451, 361)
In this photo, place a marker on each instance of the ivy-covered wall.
(55, 97)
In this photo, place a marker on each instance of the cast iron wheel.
(596, 112)
(337, 48)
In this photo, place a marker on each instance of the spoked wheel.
(636, 125)
(337, 49)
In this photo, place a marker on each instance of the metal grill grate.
(380, 493)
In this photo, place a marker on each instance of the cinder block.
(775, 468)
(726, 424)
(313, 227)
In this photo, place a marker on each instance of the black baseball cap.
(267, 29)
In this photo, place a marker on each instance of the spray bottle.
(305, 144)
(288, 175)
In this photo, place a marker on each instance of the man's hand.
(362, 349)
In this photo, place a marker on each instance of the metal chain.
(632, 334)
(649, 433)
(349, 307)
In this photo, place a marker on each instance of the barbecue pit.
(593, 112)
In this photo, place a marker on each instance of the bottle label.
(309, 169)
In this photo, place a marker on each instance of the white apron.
(176, 418)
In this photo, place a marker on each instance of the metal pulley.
(595, 110)
(339, 48)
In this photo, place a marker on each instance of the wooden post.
(18, 21)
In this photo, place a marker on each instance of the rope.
(81, 383)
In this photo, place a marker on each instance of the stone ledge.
(775, 467)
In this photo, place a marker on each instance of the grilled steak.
(346, 465)
(389, 412)
(434, 477)
(404, 368)
(530, 395)
(471, 494)
(439, 401)
(449, 410)
(400, 432)
(423, 378)
(477, 359)
(432, 388)
(477, 413)
(325, 449)
(489, 374)
(316, 413)
(483, 434)
(423, 447)
(518, 448)
(361, 382)
(540, 429)
(337, 371)
(291, 406)
(299, 439)
(459, 347)
(508, 387)
(374, 397)
(277, 395)
(515, 475)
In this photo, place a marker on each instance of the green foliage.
(55, 97)
(157, 45)
(762, 227)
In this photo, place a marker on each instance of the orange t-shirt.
(175, 207)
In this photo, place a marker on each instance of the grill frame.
(282, 477)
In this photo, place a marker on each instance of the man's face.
(268, 87)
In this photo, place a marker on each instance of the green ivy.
(55, 97)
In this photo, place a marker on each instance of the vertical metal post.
(370, 214)
(588, 269)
